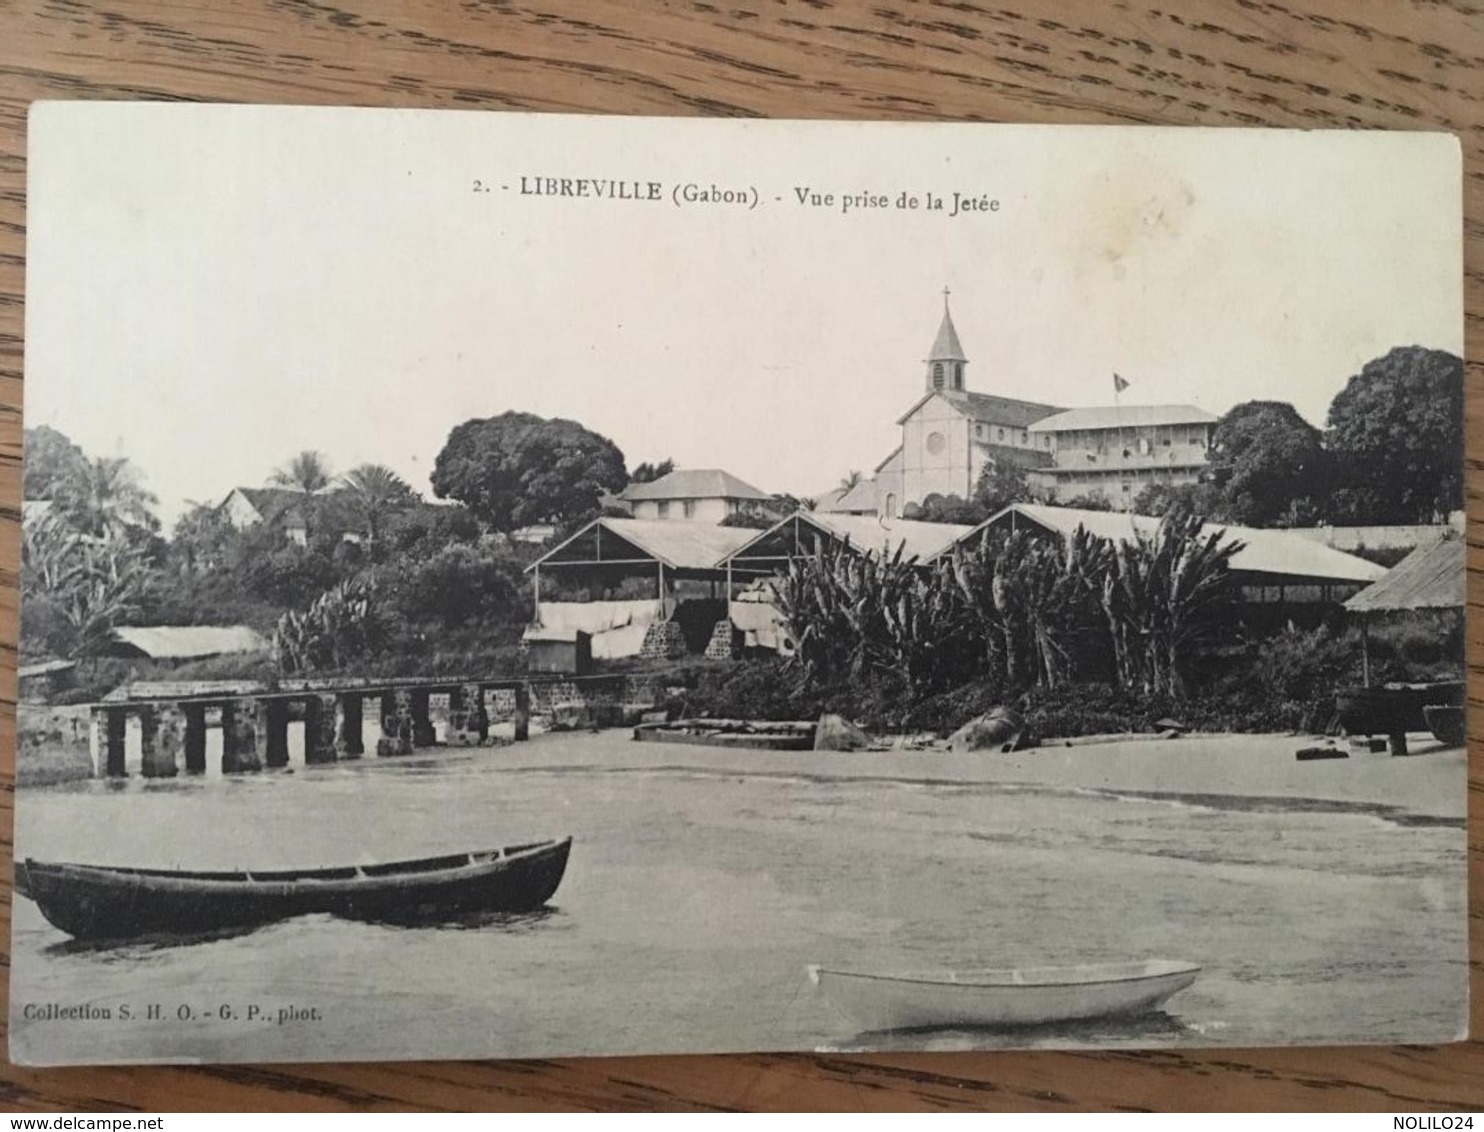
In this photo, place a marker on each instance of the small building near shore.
(38, 683)
(637, 587)
(808, 534)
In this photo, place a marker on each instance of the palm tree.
(372, 492)
(309, 471)
(850, 481)
(103, 498)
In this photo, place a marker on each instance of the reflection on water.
(698, 894)
(1154, 1028)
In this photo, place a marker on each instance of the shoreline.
(1220, 770)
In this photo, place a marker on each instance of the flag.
(1119, 385)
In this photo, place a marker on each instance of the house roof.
(862, 497)
(185, 642)
(1431, 577)
(1020, 457)
(987, 408)
(946, 346)
(272, 501)
(866, 533)
(1123, 416)
(1274, 552)
(694, 483)
(679, 544)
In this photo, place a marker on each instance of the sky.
(213, 289)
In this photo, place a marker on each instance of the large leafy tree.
(519, 469)
(648, 473)
(1396, 434)
(1268, 463)
(52, 460)
(1001, 483)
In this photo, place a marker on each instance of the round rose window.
(936, 443)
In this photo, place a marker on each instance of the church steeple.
(946, 361)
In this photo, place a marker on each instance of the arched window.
(958, 375)
(937, 375)
(891, 505)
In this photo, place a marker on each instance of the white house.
(703, 495)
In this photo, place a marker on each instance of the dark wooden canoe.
(100, 902)
(1447, 724)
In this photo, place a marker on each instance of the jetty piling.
(173, 719)
(350, 709)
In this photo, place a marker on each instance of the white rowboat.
(1021, 996)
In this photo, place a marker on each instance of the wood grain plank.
(1321, 63)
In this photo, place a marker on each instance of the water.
(701, 885)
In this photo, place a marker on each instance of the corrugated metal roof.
(1020, 457)
(677, 543)
(984, 407)
(695, 483)
(1123, 416)
(187, 642)
(872, 535)
(860, 499)
(1275, 552)
(1001, 410)
(1431, 577)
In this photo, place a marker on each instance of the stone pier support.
(273, 723)
(112, 724)
(396, 724)
(468, 723)
(319, 729)
(423, 734)
(522, 712)
(243, 739)
(195, 738)
(350, 742)
(162, 735)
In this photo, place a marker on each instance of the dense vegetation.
(357, 572)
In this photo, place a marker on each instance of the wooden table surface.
(1309, 63)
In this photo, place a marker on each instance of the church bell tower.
(946, 361)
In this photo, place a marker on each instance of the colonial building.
(951, 434)
(703, 495)
(1117, 452)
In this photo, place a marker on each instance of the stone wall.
(664, 640)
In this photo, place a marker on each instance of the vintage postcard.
(510, 585)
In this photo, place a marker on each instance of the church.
(950, 434)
